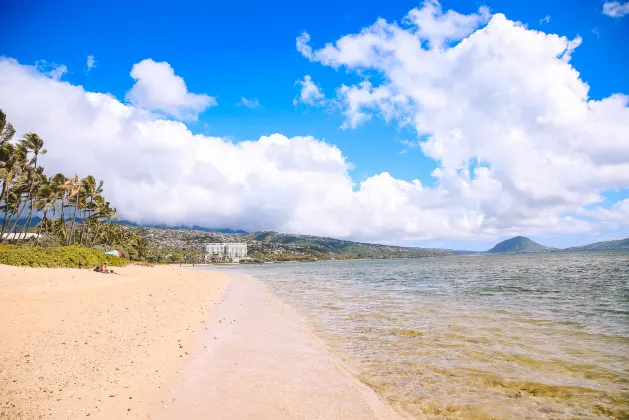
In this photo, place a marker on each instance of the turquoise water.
(510, 336)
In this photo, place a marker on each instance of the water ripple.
(513, 336)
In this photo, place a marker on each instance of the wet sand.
(259, 360)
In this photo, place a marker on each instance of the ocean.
(474, 337)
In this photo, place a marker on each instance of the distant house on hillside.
(16, 236)
(232, 251)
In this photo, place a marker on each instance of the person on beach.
(103, 269)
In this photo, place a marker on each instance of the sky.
(452, 124)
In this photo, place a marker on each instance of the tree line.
(71, 210)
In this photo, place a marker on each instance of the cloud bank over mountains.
(519, 148)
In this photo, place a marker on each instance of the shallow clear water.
(510, 336)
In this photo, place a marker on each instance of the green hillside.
(333, 247)
(615, 246)
(519, 244)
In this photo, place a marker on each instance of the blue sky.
(247, 49)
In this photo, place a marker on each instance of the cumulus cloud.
(157, 170)
(506, 117)
(91, 63)
(518, 145)
(309, 94)
(615, 9)
(159, 89)
(250, 103)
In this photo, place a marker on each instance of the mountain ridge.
(270, 241)
(619, 245)
(183, 227)
(279, 242)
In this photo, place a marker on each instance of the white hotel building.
(231, 251)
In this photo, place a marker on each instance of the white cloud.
(158, 88)
(615, 9)
(519, 147)
(508, 120)
(310, 94)
(91, 63)
(614, 218)
(431, 24)
(156, 170)
(250, 103)
(302, 45)
(544, 20)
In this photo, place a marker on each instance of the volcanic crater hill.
(520, 244)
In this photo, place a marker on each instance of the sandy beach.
(75, 343)
(163, 343)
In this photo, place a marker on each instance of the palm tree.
(35, 145)
(13, 160)
(72, 188)
(6, 129)
(16, 181)
(47, 194)
(103, 212)
(91, 191)
(58, 183)
(24, 188)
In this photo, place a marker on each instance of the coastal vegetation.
(61, 256)
(74, 212)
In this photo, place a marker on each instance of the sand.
(76, 344)
(164, 343)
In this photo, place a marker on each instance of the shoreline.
(75, 344)
(260, 359)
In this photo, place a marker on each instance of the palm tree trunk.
(17, 219)
(5, 189)
(4, 184)
(27, 224)
(71, 236)
(41, 225)
(98, 226)
(29, 198)
(86, 226)
(63, 220)
(89, 214)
